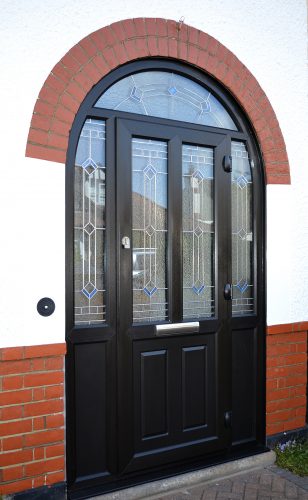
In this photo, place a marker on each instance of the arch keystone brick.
(124, 41)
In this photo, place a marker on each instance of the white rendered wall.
(269, 37)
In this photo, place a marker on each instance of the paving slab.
(269, 483)
(181, 485)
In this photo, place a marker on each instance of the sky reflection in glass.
(166, 95)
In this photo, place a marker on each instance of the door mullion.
(124, 311)
(222, 226)
(223, 276)
(109, 254)
(175, 251)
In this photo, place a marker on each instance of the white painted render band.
(269, 37)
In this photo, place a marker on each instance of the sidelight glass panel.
(149, 229)
(198, 231)
(89, 224)
(166, 95)
(242, 231)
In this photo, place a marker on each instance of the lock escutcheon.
(126, 242)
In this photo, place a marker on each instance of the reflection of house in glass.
(149, 227)
(198, 232)
(242, 240)
(89, 222)
(149, 259)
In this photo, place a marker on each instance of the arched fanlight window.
(166, 95)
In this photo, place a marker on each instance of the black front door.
(174, 344)
(159, 356)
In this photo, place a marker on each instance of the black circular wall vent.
(45, 306)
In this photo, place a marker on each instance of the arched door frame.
(75, 336)
(96, 55)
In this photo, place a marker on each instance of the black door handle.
(228, 291)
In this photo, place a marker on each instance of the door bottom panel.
(91, 489)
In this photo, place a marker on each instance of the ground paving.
(269, 483)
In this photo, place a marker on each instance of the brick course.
(32, 404)
(286, 377)
(100, 52)
(32, 417)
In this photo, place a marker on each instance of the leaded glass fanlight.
(166, 95)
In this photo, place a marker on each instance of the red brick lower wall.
(32, 417)
(32, 404)
(286, 377)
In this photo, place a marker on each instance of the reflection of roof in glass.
(166, 95)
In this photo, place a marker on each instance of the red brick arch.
(102, 51)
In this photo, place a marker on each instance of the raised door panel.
(154, 394)
(244, 379)
(194, 387)
(93, 409)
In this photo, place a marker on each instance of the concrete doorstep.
(193, 479)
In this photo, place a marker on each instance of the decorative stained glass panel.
(149, 229)
(166, 95)
(198, 232)
(242, 231)
(89, 224)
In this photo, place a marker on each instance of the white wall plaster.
(269, 37)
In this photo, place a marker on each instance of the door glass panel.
(149, 229)
(198, 231)
(166, 95)
(242, 231)
(89, 224)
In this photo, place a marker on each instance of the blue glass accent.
(136, 94)
(151, 291)
(242, 182)
(89, 295)
(242, 285)
(172, 90)
(199, 289)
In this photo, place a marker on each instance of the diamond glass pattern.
(89, 165)
(136, 94)
(198, 232)
(89, 224)
(242, 234)
(166, 95)
(89, 228)
(150, 171)
(242, 182)
(149, 214)
(172, 90)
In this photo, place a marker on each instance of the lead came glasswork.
(149, 229)
(89, 224)
(242, 231)
(166, 95)
(198, 232)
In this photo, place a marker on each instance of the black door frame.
(76, 336)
